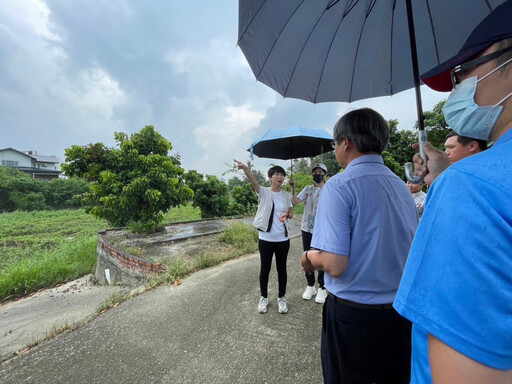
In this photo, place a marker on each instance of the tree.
(212, 197)
(301, 180)
(60, 193)
(399, 150)
(436, 126)
(193, 179)
(245, 196)
(261, 178)
(329, 160)
(19, 191)
(134, 183)
(88, 161)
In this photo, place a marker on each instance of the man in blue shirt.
(457, 284)
(365, 223)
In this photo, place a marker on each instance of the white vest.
(265, 202)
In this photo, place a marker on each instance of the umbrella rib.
(433, 31)
(357, 50)
(391, 46)
(249, 23)
(301, 52)
(275, 42)
(331, 44)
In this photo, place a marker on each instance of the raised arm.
(249, 174)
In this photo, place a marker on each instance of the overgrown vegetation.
(215, 199)
(44, 248)
(18, 191)
(237, 240)
(132, 185)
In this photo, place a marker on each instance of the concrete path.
(207, 330)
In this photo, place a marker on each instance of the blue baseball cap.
(496, 26)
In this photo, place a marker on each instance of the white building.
(37, 166)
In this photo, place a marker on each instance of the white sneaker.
(321, 295)
(281, 305)
(262, 305)
(309, 292)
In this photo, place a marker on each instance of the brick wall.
(121, 266)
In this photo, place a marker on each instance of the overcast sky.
(75, 72)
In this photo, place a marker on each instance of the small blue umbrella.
(292, 143)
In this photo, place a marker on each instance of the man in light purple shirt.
(365, 223)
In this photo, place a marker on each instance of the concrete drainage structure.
(115, 266)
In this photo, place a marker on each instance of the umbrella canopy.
(292, 143)
(348, 50)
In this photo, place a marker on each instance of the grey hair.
(365, 127)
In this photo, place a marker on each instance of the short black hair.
(275, 169)
(366, 128)
(465, 140)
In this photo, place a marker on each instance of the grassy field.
(45, 248)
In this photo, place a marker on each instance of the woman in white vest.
(271, 220)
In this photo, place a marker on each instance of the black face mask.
(318, 178)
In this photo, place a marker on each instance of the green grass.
(298, 209)
(237, 240)
(240, 236)
(44, 248)
(182, 214)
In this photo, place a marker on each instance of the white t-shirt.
(277, 232)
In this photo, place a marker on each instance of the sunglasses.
(456, 72)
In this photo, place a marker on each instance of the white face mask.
(466, 117)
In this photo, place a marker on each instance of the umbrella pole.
(422, 133)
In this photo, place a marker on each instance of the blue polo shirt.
(457, 284)
(368, 214)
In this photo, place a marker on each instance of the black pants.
(310, 277)
(267, 250)
(363, 346)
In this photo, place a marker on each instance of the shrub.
(132, 185)
(241, 236)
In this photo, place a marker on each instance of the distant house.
(37, 166)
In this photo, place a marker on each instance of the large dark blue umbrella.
(292, 143)
(348, 50)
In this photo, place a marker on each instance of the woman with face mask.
(309, 195)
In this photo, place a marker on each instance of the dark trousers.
(364, 345)
(267, 250)
(310, 277)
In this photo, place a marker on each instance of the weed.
(112, 301)
(182, 214)
(241, 236)
(134, 251)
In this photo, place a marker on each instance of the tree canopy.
(133, 184)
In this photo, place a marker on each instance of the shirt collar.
(366, 159)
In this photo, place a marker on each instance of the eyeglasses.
(333, 144)
(455, 73)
